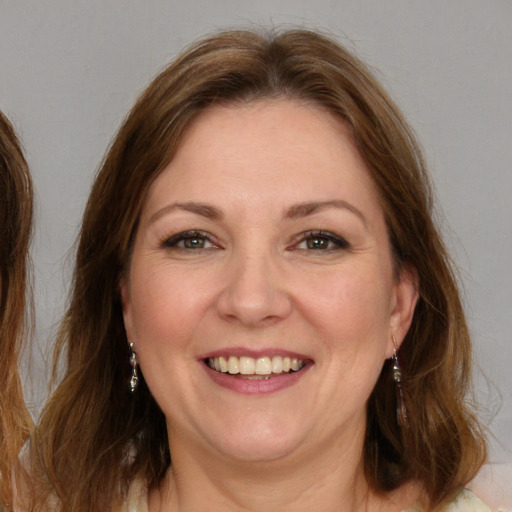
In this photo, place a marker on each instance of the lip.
(256, 387)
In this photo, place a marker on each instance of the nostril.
(254, 305)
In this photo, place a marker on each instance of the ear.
(405, 297)
(126, 303)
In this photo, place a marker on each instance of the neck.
(328, 478)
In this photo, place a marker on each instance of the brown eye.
(321, 241)
(194, 242)
(189, 240)
(318, 243)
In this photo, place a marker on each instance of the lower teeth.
(259, 377)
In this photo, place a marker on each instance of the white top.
(465, 501)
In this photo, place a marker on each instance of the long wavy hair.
(15, 229)
(115, 436)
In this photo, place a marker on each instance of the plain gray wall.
(70, 70)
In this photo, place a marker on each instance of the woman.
(15, 226)
(257, 248)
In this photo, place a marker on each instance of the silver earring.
(401, 411)
(134, 380)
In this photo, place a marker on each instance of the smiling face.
(261, 296)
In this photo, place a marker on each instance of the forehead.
(282, 150)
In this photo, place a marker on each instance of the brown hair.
(15, 229)
(118, 435)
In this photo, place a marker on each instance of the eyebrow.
(306, 209)
(294, 212)
(205, 210)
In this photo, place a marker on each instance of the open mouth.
(261, 368)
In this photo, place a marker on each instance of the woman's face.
(262, 246)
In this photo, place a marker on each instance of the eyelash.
(174, 241)
(326, 237)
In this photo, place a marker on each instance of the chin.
(258, 443)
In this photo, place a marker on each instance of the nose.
(254, 293)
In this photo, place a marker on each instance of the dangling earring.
(401, 411)
(134, 380)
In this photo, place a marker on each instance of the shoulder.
(464, 501)
(493, 485)
(137, 499)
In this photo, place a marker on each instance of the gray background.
(70, 70)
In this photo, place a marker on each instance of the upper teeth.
(251, 366)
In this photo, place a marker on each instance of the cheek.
(353, 303)
(165, 315)
(166, 306)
